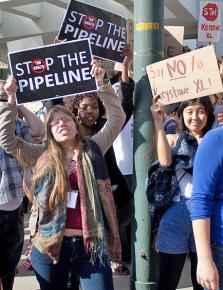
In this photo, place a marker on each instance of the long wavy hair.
(52, 163)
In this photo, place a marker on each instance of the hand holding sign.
(127, 54)
(98, 72)
(158, 110)
(11, 88)
(57, 40)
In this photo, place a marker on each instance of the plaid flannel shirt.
(11, 172)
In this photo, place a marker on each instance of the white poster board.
(209, 26)
(186, 76)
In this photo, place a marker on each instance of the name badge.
(72, 198)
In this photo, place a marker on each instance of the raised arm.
(36, 125)
(27, 153)
(162, 145)
(127, 53)
(114, 112)
(125, 86)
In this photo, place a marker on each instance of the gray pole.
(148, 48)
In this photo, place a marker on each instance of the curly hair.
(73, 107)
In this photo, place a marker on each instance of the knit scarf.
(98, 212)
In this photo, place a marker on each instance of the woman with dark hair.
(175, 239)
(206, 103)
(91, 115)
(77, 225)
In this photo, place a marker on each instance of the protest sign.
(209, 26)
(52, 71)
(173, 40)
(106, 31)
(186, 76)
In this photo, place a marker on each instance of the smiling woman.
(174, 239)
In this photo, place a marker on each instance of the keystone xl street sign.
(209, 27)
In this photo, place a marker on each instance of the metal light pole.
(148, 48)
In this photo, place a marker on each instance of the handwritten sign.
(187, 76)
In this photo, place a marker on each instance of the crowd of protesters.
(65, 166)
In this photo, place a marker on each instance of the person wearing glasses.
(77, 227)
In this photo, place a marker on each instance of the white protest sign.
(209, 26)
(186, 76)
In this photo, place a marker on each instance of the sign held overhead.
(106, 31)
(52, 71)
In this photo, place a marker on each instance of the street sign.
(209, 27)
(210, 12)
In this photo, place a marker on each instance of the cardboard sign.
(53, 71)
(187, 76)
(106, 31)
(209, 26)
(173, 40)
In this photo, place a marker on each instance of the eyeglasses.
(64, 120)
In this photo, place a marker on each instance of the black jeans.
(11, 243)
(170, 269)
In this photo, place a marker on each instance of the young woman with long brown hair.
(77, 227)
